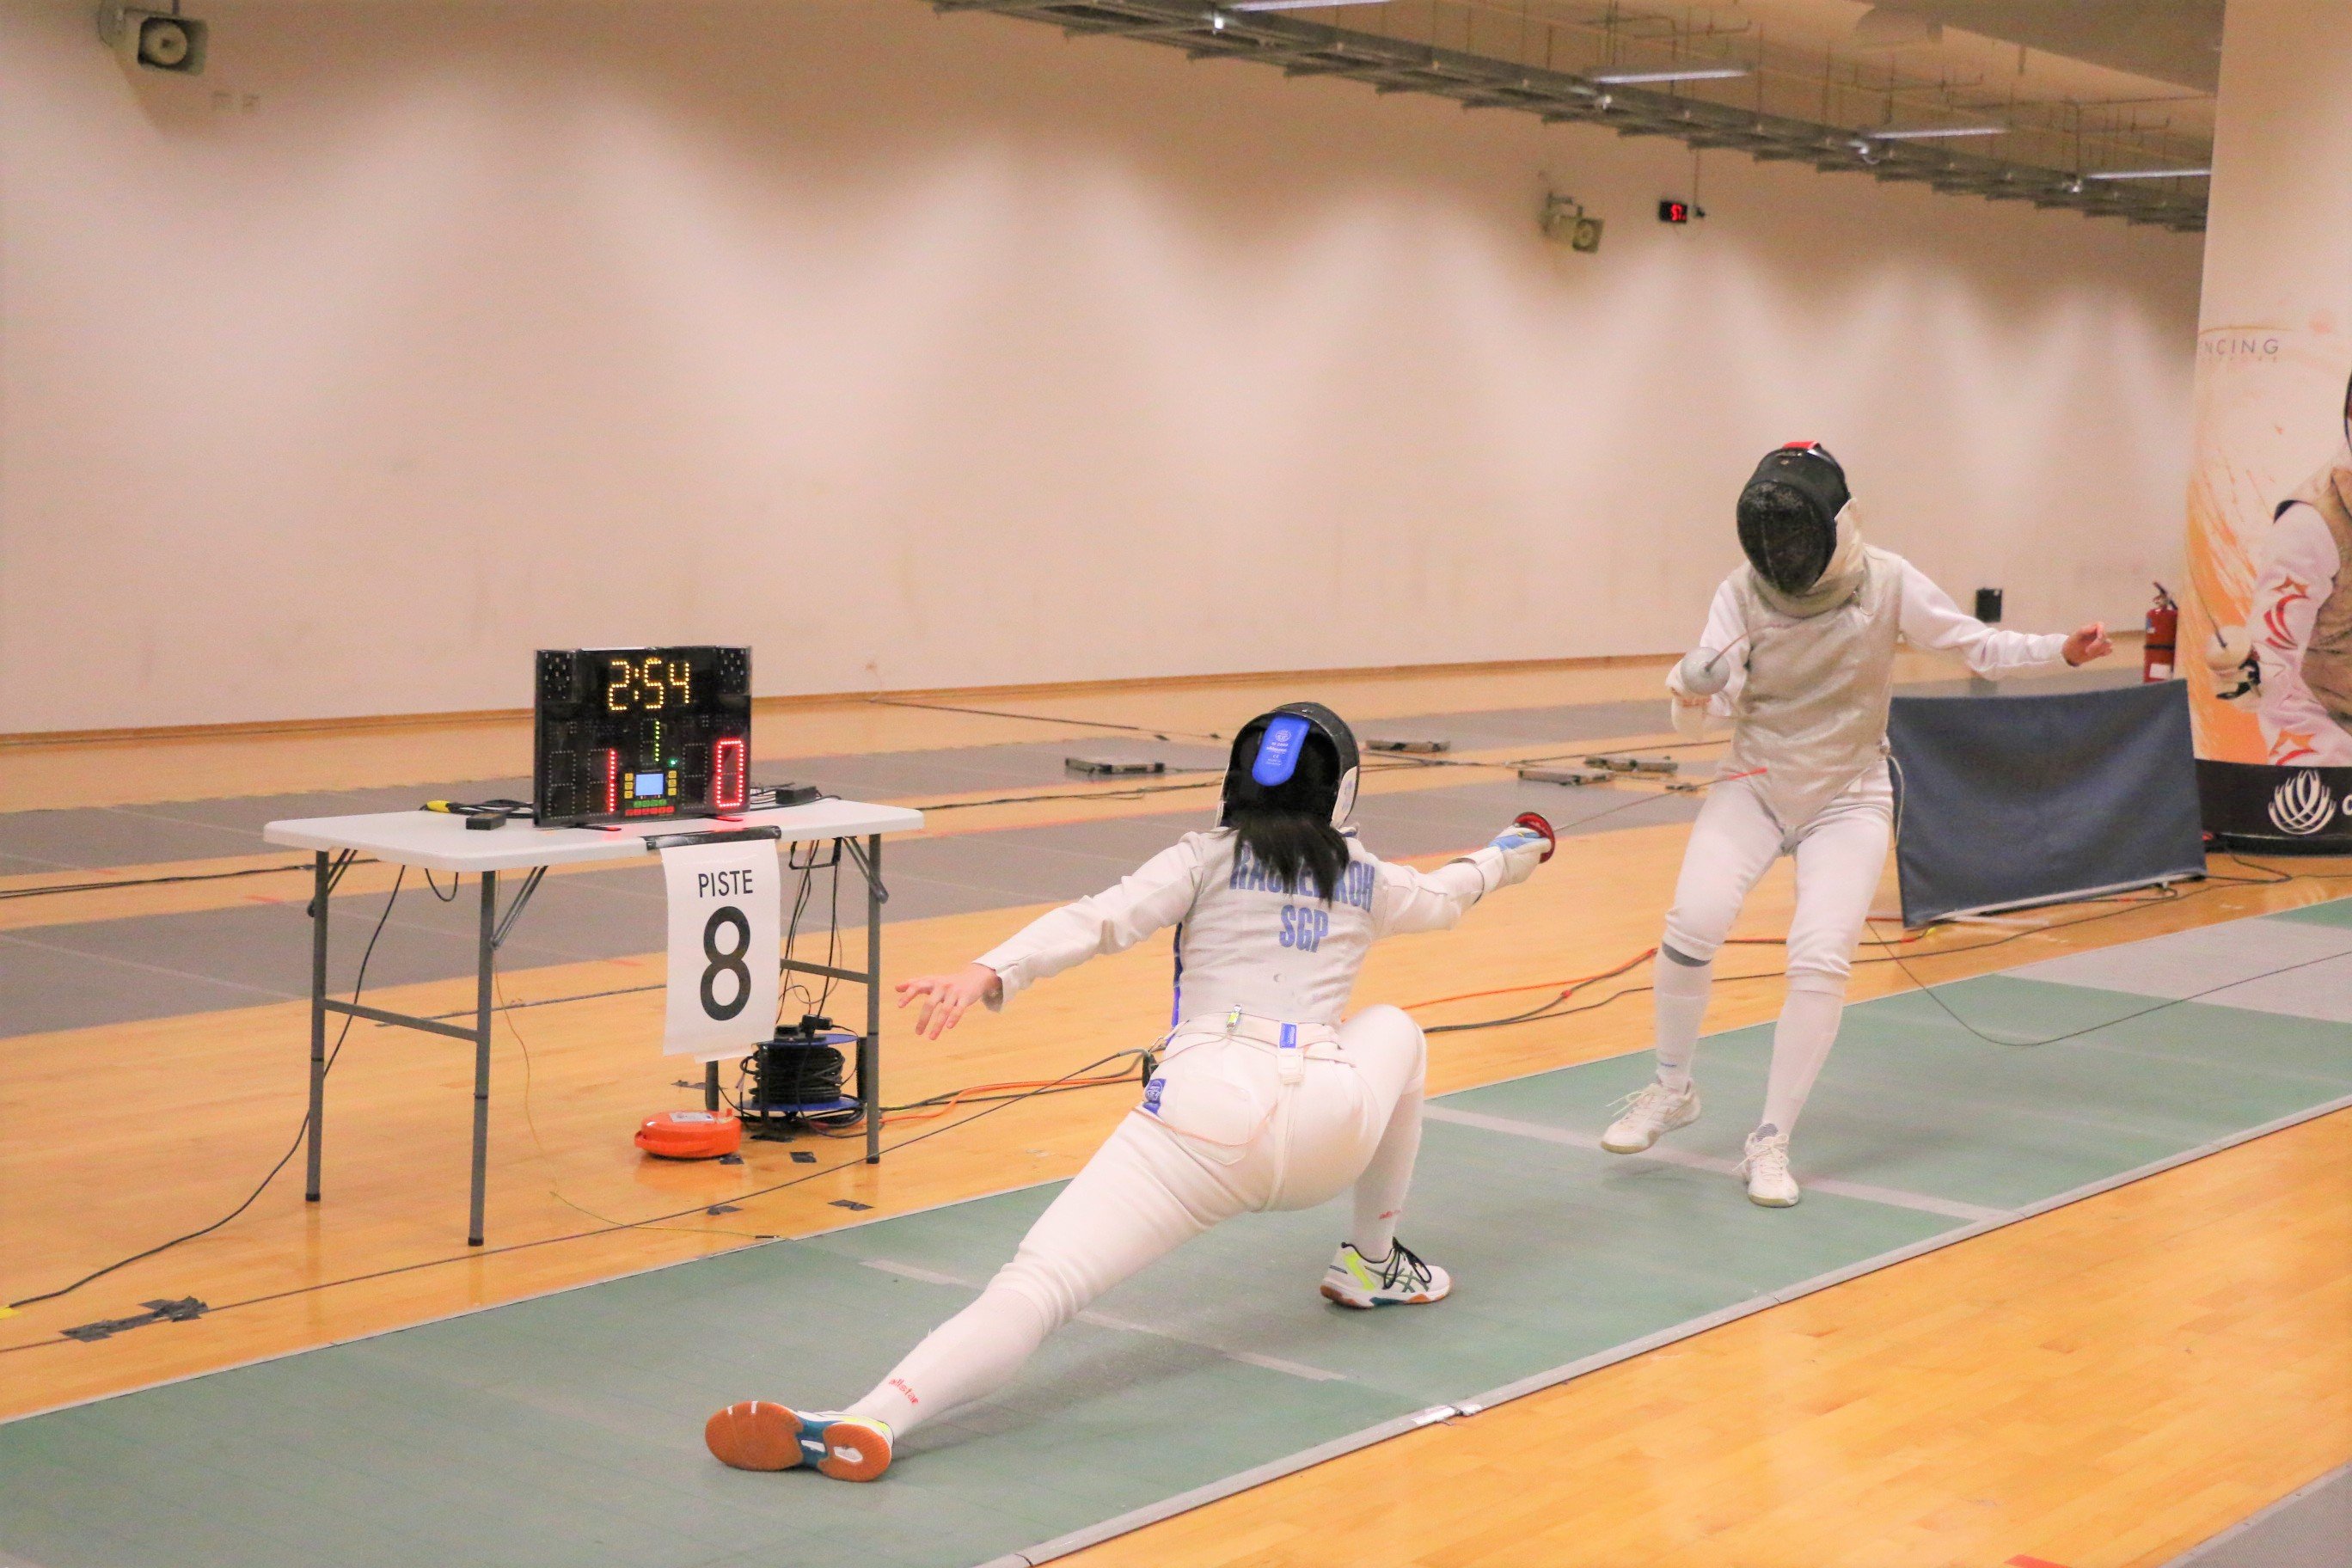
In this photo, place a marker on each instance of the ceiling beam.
(1476, 82)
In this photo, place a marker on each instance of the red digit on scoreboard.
(728, 774)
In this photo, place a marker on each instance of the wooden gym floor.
(2107, 1385)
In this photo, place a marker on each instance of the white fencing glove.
(1701, 673)
(1522, 849)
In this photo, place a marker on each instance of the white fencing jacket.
(1835, 703)
(1244, 941)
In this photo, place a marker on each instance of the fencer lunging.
(1264, 1099)
(1799, 654)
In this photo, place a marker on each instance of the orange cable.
(934, 1112)
(1571, 987)
(1568, 987)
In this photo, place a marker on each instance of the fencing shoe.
(1766, 1170)
(757, 1436)
(1400, 1278)
(1654, 1111)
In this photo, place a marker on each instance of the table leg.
(869, 1050)
(485, 958)
(318, 886)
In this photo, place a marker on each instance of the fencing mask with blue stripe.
(1301, 756)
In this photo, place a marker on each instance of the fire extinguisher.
(2163, 623)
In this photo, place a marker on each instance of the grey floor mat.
(47, 985)
(1537, 728)
(109, 971)
(1430, 822)
(564, 1430)
(2245, 964)
(2309, 1528)
(89, 838)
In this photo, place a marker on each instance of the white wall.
(922, 351)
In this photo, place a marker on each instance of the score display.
(622, 734)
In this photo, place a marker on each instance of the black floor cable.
(1551, 1009)
(359, 983)
(1934, 994)
(47, 889)
(1125, 791)
(548, 1001)
(1932, 991)
(1169, 735)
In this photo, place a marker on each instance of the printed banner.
(2269, 600)
(725, 933)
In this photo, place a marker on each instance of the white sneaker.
(1654, 1111)
(1766, 1170)
(1399, 1279)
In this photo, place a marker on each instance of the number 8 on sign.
(725, 939)
(726, 915)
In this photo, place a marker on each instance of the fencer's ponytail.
(1288, 829)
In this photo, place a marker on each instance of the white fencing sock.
(1800, 1044)
(1681, 996)
(1380, 1190)
(973, 1355)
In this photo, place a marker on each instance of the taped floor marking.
(1894, 1197)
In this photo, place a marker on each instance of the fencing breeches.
(1248, 1143)
(1840, 855)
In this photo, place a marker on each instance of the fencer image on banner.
(2270, 559)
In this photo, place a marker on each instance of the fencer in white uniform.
(1798, 655)
(1262, 1099)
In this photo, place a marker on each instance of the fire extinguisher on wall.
(2163, 621)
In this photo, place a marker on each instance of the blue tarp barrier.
(2008, 801)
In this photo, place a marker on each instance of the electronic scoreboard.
(625, 733)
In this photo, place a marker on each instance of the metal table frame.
(328, 869)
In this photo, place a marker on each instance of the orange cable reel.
(692, 1134)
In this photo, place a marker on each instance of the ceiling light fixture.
(2149, 174)
(1635, 78)
(1931, 132)
(1295, 4)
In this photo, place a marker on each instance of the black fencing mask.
(1788, 515)
(1300, 757)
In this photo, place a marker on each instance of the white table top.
(441, 842)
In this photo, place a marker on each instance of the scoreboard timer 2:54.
(628, 733)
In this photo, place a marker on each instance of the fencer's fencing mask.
(1789, 512)
(1299, 757)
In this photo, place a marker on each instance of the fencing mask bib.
(1270, 763)
(1789, 515)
